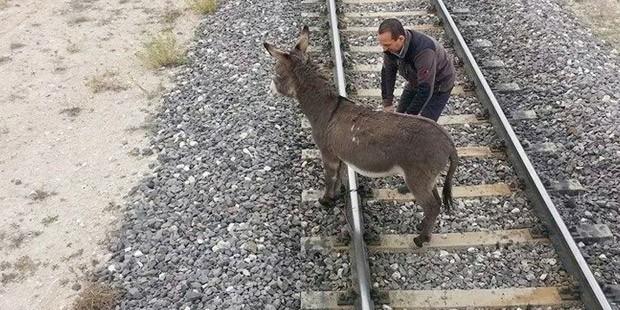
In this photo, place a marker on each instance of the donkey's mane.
(312, 76)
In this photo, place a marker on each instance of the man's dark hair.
(393, 26)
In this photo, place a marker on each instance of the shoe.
(403, 189)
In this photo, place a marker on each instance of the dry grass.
(202, 6)
(17, 240)
(15, 46)
(3, 4)
(78, 20)
(41, 194)
(22, 268)
(49, 220)
(162, 51)
(73, 48)
(72, 112)
(7, 278)
(170, 15)
(149, 94)
(5, 265)
(105, 82)
(81, 5)
(96, 296)
(25, 264)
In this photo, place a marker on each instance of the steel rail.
(592, 295)
(360, 271)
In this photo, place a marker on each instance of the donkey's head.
(284, 81)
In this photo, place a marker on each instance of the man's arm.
(426, 69)
(388, 79)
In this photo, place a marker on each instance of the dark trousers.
(433, 108)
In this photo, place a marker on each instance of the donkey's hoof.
(326, 202)
(419, 240)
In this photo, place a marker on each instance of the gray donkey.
(373, 143)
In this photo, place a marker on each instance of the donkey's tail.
(447, 186)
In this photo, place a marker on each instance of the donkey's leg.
(420, 225)
(342, 178)
(431, 211)
(331, 164)
(436, 194)
(423, 193)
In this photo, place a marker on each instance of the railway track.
(504, 246)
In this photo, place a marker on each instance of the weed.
(171, 15)
(73, 48)
(40, 194)
(78, 20)
(202, 6)
(25, 265)
(96, 296)
(15, 46)
(72, 112)
(49, 220)
(105, 82)
(162, 51)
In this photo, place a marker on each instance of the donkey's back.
(379, 144)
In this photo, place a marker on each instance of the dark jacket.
(423, 62)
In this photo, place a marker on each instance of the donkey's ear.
(302, 43)
(274, 51)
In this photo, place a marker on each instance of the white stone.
(220, 245)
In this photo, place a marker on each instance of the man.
(423, 62)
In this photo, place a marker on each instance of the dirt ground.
(602, 16)
(75, 101)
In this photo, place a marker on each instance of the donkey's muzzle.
(273, 89)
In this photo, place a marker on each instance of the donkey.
(373, 143)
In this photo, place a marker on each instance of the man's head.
(391, 35)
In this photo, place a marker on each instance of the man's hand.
(389, 108)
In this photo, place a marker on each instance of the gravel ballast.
(527, 265)
(570, 78)
(217, 226)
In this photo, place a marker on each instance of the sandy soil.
(74, 104)
(602, 16)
